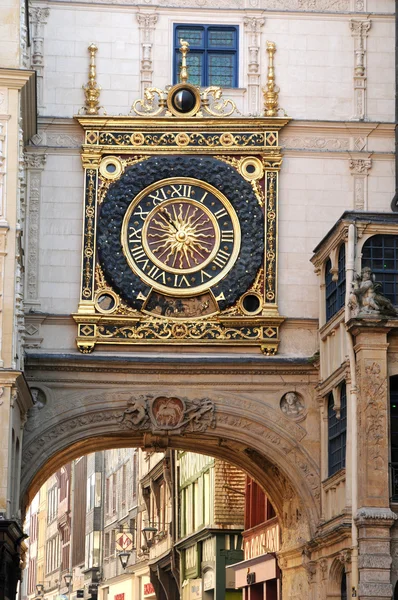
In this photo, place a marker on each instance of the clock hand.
(166, 215)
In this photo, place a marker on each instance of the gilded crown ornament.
(92, 90)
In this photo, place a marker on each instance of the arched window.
(380, 253)
(337, 433)
(344, 587)
(341, 279)
(331, 292)
(394, 437)
(335, 290)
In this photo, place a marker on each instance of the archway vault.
(74, 416)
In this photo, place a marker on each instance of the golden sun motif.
(182, 235)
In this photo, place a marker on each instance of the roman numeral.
(220, 213)
(157, 274)
(139, 255)
(227, 236)
(181, 279)
(158, 196)
(221, 259)
(134, 234)
(203, 274)
(179, 191)
(203, 197)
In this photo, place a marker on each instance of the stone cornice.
(74, 361)
(307, 138)
(305, 8)
(15, 78)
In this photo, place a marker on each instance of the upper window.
(337, 433)
(380, 253)
(335, 290)
(212, 57)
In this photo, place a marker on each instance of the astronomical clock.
(180, 224)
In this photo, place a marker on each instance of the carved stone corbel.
(253, 27)
(34, 165)
(38, 17)
(146, 22)
(360, 168)
(359, 31)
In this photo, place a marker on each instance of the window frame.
(335, 290)
(205, 50)
(340, 430)
(368, 261)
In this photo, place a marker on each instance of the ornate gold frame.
(131, 139)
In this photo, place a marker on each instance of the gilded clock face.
(180, 227)
(181, 235)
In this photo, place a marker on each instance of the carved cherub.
(136, 415)
(366, 298)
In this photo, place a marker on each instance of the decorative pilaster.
(34, 165)
(38, 18)
(359, 31)
(146, 22)
(360, 168)
(253, 27)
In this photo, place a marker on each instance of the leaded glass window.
(337, 433)
(331, 291)
(380, 253)
(212, 57)
(335, 290)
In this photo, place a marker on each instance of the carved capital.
(147, 20)
(35, 161)
(39, 15)
(375, 517)
(345, 557)
(360, 166)
(253, 24)
(360, 27)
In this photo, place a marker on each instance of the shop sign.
(195, 589)
(148, 589)
(119, 596)
(208, 580)
(124, 542)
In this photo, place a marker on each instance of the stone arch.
(265, 445)
(239, 428)
(336, 572)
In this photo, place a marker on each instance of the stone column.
(359, 31)
(38, 16)
(253, 29)
(374, 517)
(360, 168)
(146, 22)
(34, 164)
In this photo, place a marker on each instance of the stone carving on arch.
(258, 441)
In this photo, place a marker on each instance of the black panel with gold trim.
(180, 231)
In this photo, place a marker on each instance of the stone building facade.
(311, 421)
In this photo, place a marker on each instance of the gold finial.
(271, 91)
(91, 90)
(184, 49)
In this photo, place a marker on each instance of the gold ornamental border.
(181, 181)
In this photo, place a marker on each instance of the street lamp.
(39, 589)
(68, 579)
(124, 558)
(149, 531)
